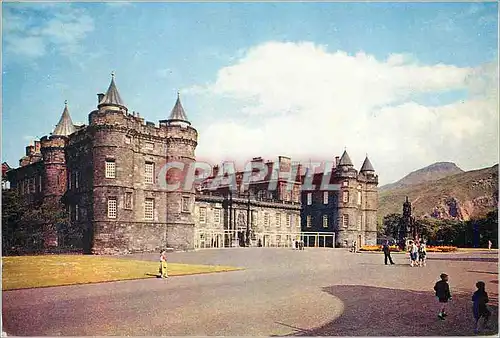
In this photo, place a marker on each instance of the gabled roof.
(367, 165)
(178, 113)
(65, 126)
(345, 160)
(112, 96)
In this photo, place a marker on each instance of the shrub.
(441, 248)
(372, 248)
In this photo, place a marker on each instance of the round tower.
(181, 144)
(370, 201)
(54, 178)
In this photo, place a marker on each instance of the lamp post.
(230, 208)
(248, 220)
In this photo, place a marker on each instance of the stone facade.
(108, 175)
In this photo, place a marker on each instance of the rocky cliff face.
(461, 196)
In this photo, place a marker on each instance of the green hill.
(460, 196)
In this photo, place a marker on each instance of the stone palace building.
(106, 174)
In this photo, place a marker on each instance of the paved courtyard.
(280, 292)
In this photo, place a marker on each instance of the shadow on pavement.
(376, 311)
(488, 272)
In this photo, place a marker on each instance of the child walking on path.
(443, 295)
(421, 254)
(480, 298)
(163, 264)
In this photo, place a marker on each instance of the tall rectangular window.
(266, 219)
(149, 172)
(278, 220)
(309, 198)
(110, 171)
(288, 220)
(149, 205)
(359, 222)
(112, 207)
(217, 216)
(32, 185)
(345, 220)
(128, 200)
(77, 174)
(203, 215)
(70, 212)
(39, 183)
(70, 180)
(77, 212)
(359, 197)
(185, 204)
(325, 197)
(345, 196)
(325, 221)
(308, 221)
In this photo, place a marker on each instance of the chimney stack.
(100, 96)
(337, 161)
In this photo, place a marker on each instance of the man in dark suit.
(387, 252)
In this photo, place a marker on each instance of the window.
(32, 185)
(345, 196)
(325, 221)
(278, 220)
(77, 174)
(70, 180)
(128, 200)
(128, 139)
(309, 198)
(308, 221)
(345, 183)
(359, 222)
(77, 212)
(149, 172)
(216, 216)
(266, 219)
(149, 145)
(185, 204)
(359, 197)
(345, 220)
(288, 220)
(297, 221)
(149, 205)
(110, 171)
(203, 215)
(70, 212)
(112, 207)
(325, 197)
(39, 183)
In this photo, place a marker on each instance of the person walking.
(413, 254)
(480, 310)
(163, 264)
(387, 253)
(443, 294)
(422, 253)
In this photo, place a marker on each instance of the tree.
(391, 224)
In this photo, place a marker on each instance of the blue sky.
(427, 75)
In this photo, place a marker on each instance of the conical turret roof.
(345, 160)
(112, 96)
(178, 114)
(367, 165)
(65, 126)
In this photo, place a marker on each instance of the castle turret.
(369, 201)
(181, 145)
(112, 99)
(54, 178)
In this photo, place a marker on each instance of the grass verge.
(22, 272)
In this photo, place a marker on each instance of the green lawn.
(21, 272)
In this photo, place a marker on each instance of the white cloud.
(62, 28)
(306, 102)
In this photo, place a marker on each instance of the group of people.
(418, 253)
(479, 298)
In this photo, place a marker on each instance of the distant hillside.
(461, 196)
(433, 172)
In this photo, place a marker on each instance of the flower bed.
(441, 248)
(393, 248)
(396, 249)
